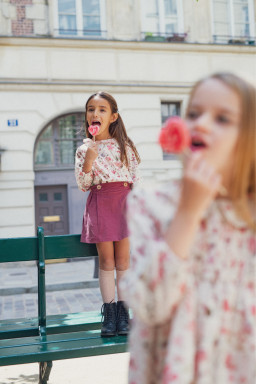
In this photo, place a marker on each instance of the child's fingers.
(197, 167)
(202, 172)
(193, 161)
(94, 147)
(200, 166)
(90, 143)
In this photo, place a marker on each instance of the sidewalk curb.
(50, 287)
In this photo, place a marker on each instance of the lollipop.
(174, 136)
(94, 130)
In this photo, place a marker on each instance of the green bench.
(47, 338)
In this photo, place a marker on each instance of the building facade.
(55, 54)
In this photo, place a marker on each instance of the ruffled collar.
(228, 213)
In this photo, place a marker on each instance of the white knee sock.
(107, 285)
(119, 275)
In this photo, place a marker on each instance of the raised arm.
(84, 179)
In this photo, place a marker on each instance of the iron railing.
(239, 40)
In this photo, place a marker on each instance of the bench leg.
(44, 371)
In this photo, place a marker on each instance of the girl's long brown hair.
(116, 129)
(243, 181)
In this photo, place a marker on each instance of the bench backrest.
(41, 248)
(55, 247)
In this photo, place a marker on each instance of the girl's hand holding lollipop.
(92, 151)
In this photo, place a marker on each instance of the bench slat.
(67, 246)
(19, 249)
(56, 247)
(48, 339)
(71, 322)
(56, 347)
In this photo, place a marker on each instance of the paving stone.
(20, 277)
(57, 302)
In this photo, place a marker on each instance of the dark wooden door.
(51, 209)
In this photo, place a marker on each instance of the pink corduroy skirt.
(105, 213)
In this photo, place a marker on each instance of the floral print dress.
(194, 320)
(107, 167)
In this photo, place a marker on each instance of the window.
(162, 17)
(232, 19)
(57, 144)
(80, 18)
(169, 109)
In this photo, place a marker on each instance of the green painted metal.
(19, 328)
(55, 337)
(18, 249)
(15, 333)
(57, 347)
(49, 339)
(70, 322)
(41, 282)
(44, 371)
(56, 247)
(73, 322)
(86, 317)
(74, 318)
(67, 246)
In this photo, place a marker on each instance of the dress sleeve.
(84, 180)
(132, 165)
(157, 279)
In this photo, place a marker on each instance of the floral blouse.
(107, 167)
(195, 319)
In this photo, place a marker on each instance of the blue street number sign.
(12, 123)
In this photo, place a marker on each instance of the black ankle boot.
(122, 319)
(108, 312)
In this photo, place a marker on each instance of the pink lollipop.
(94, 130)
(174, 136)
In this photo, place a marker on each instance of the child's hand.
(201, 184)
(91, 153)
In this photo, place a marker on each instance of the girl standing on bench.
(107, 166)
(192, 281)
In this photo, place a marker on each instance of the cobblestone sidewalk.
(21, 277)
(70, 287)
(67, 301)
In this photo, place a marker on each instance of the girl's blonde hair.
(116, 129)
(243, 180)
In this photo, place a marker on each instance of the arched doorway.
(59, 205)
